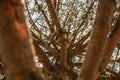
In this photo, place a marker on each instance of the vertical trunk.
(99, 34)
(16, 45)
(63, 57)
(110, 45)
(63, 54)
(63, 43)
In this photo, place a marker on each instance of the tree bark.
(16, 44)
(110, 45)
(97, 42)
(63, 42)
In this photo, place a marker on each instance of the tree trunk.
(97, 42)
(16, 45)
(110, 45)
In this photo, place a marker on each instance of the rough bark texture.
(99, 34)
(16, 45)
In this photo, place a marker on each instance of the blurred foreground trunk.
(16, 46)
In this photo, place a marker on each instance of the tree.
(61, 41)
(16, 46)
(100, 32)
(66, 41)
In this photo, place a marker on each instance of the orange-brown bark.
(53, 13)
(16, 45)
(99, 34)
(110, 45)
(61, 35)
